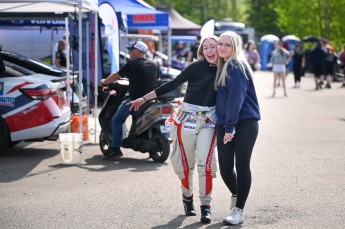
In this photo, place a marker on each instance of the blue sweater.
(237, 100)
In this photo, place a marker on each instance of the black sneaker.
(115, 153)
(206, 216)
(188, 205)
(328, 86)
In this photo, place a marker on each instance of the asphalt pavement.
(298, 169)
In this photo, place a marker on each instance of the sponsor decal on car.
(1, 88)
(7, 101)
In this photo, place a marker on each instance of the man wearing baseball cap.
(142, 75)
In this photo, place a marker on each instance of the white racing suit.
(193, 136)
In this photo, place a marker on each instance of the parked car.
(33, 106)
(37, 66)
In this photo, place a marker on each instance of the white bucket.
(94, 130)
(71, 147)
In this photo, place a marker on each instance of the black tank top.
(200, 77)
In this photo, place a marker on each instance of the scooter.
(148, 132)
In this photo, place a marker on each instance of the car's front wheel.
(4, 134)
(11, 144)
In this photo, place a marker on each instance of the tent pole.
(96, 72)
(68, 63)
(87, 66)
(80, 66)
(169, 48)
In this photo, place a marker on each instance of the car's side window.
(10, 72)
(13, 70)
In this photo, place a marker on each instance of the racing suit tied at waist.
(192, 112)
(190, 118)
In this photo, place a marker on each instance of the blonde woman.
(237, 113)
(192, 127)
(60, 56)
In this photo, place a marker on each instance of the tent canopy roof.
(46, 6)
(139, 14)
(178, 21)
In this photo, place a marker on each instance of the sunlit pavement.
(297, 168)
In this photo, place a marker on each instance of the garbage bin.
(266, 47)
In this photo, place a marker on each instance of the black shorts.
(318, 71)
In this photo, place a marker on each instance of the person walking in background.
(193, 52)
(341, 57)
(180, 51)
(237, 112)
(252, 55)
(142, 75)
(192, 127)
(279, 60)
(55, 49)
(298, 58)
(330, 62)
(317, 61)
(60, 56)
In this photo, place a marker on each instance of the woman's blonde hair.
(60, 45)
(200, 54)
(237, 53)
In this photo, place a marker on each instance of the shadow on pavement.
(177, 223)
(127, 163)
(17, 162)
(174, 223)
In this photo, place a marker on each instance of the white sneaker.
(236, 217)
(233, 202)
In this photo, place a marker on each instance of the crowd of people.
(322, 62)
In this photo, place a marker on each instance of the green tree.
(262, 17)
(200, 11)
(317, 17)
(278, 17)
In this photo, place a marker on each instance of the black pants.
(298, 72)
(241, 147)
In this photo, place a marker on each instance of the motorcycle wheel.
(163, 148)
(103, 144)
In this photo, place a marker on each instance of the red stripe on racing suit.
(184, 181)
(208, 168)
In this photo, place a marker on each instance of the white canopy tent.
(14, 8)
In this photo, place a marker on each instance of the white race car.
(32, 106)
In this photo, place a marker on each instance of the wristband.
(144, 98)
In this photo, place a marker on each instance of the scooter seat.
(142, 108)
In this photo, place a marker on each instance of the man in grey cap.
(142, 75)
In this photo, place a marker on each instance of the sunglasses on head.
(130, 49)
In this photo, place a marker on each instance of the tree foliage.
(200, 11)
(278, 17)
(318, 17)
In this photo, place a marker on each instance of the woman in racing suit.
(192, 126)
